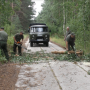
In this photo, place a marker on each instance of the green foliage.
(32, 57)
(67, 57)
(41, 56)
(2, 57)
(58, 40)
(15, 26)
(25, 13)
(15, 15)
(58, 14)
(10, 43)
(87, 57)
(6, 11)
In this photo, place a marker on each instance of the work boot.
(20, 54)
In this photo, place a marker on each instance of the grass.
(59, 41)
(85, 49)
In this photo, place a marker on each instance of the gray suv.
(38, 34)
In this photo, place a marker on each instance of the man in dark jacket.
(3, 42)
(18, 40)
(70, 39)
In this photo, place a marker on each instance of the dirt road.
(52, 75)
(41, 47)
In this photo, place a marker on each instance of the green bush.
(2, 57)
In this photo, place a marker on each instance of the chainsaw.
(20, 44)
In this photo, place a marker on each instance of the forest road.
(41, 47)
(53, 75)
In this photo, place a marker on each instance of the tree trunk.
(63, 18)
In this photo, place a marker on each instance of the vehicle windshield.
(37, 29)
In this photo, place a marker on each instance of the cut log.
(70, 52)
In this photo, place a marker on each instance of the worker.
(3, 42)
(18, 41)
(67, 33)
(70, 41)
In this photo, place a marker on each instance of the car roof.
(38, 26)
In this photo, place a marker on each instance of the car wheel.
(47, 44)
(31, 44)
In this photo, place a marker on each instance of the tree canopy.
(15, 15)
(58, 14)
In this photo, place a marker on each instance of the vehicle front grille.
(40, 38)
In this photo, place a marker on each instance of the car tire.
(47, 44)
(31, 44)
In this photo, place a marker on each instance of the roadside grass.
(60, 41)
(85, 49)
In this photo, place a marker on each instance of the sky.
(38, 6)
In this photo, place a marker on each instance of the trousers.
(3, 47)
(71, 44)
(19, 49)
